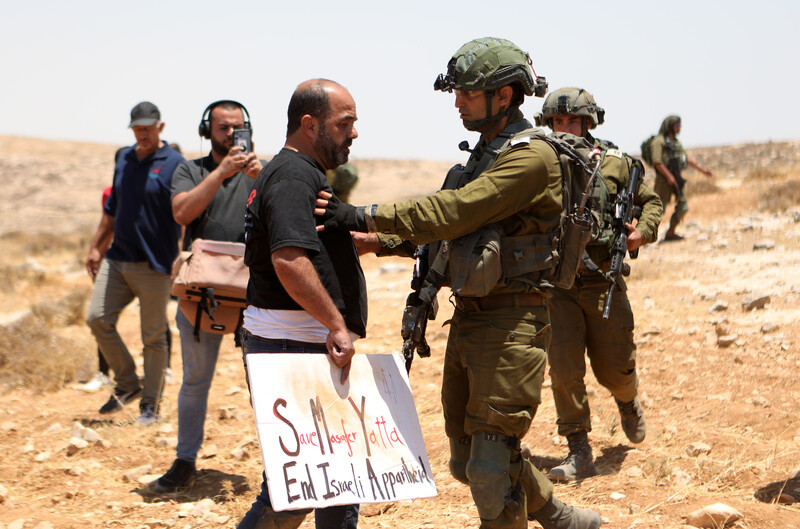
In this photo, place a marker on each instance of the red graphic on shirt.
(251, 197)
(156, 170)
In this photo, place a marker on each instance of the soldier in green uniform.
(342, 180)
(577, 314)
(670, 159)
(495, 357)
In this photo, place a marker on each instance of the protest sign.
(324, 443)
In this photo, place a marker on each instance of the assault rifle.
(421, 306)
(624, 212)
(674, 166)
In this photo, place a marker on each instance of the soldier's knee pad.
(487, 471)
(459, 455)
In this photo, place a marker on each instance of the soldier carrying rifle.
(576, 314)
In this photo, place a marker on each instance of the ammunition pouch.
(485, 258)
(575, 234)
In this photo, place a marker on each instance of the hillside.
(713, 369)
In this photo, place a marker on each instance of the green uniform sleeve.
(526, 176)
(652, 208)
(394, 245)
(657, 150)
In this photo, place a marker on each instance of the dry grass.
(34, 353)
(35, 245)
(701, 186)
(781, 196)
(767, 173)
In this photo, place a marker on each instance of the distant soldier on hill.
(343, 180)
(669, 159)
(576, 315)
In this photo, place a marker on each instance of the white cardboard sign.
(324, 443)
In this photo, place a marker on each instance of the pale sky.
(73, 70)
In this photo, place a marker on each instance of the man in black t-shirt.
(307, 292)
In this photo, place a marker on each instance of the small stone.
(44, 525)
(202, 507)
(634, 508)
(185, 509)
(3, 494)
(634, 472)
(165, 429)
(727, 340)
(765, 244)
(208, 452)
(77, 470)
(680, 478)
(147, 479)
(698, 448)
(17, 524)
(56, 426)
(232, 390)
(90, 435)
(755, 302)
(712, 516)
(42, 456)
(8, 426)
(616, 496)
(166, 442)
(132, 475)
(759, 401)
(768, 327)
(719, 306)
(77, 429)
(76, 445)
(28, 448)
(240, 454)
(228, 412)
(722, 328)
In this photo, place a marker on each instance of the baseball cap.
(144, 114)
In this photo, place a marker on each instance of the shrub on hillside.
(781, 197)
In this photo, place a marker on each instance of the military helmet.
(487, 64)
(570, 102)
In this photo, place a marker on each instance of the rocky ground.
(718, 354)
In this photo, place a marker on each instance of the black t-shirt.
(280, 213)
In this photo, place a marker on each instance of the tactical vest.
(603, 202)
(479, 261)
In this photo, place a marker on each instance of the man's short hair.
(225, 105)
(311, 99)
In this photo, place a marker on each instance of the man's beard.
(331, 154)
(219, 148)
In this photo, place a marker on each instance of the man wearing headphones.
(209, 196)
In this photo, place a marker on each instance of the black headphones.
(204, 129)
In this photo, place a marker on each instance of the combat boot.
(579, 463)
(558, 515)
(632, 418)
